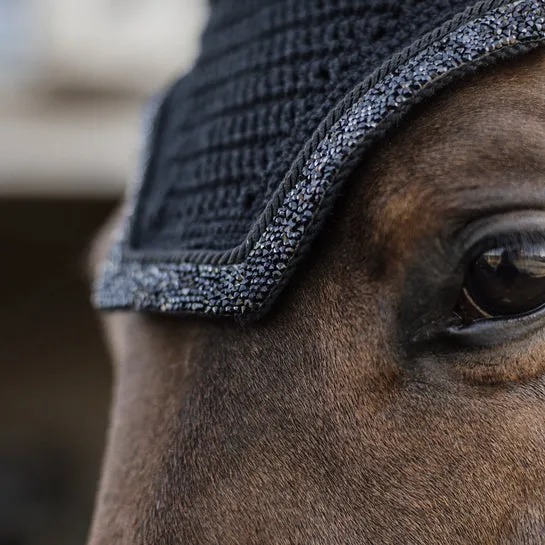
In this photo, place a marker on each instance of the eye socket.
(505, 281)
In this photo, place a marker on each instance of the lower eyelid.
(497, 331)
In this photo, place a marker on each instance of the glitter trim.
(249, 286)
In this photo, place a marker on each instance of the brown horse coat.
(324, 423)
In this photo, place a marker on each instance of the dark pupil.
(508, 281)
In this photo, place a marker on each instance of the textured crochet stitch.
(248, 150)
(268, 74)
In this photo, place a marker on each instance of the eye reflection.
(504, 282)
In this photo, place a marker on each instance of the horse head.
(394, 391)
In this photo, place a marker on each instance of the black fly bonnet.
(246, 154)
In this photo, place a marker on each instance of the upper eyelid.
(509, 239)
(497, 226)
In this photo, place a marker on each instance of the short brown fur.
(316, 425)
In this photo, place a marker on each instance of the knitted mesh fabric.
(269, 72)
(246, 155)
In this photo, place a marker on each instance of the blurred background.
(74, 75)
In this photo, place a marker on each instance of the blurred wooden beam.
(71, 148)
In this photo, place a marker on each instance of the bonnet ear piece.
(249, 119)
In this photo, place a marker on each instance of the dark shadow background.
(54, 372)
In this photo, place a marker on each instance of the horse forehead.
(449, 148)
(481, 113)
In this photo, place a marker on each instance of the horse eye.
(504, 282)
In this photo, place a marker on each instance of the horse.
(336, 418)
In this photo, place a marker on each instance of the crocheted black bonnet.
(245, 155)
